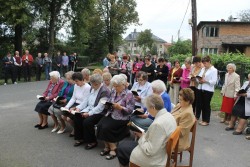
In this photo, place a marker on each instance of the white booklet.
(40, 97)
(72, 112)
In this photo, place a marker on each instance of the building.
(132, 47)
(216, 37)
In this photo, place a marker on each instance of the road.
(22, 145)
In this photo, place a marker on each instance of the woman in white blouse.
(207, 80)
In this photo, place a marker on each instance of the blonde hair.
(97, 71)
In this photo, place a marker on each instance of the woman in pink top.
(185, 78)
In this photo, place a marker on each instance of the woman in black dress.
(162, 71)
(149, 68)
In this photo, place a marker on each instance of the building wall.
(247, 51)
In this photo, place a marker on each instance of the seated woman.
(106, 80)
(151, 147)
(50, 93)
(145, 120)
(80, 94)
(55, 112)
(142, 87)
(241, 109)
(113, 127)
(91, 113)
(184, 116)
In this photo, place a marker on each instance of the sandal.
(110, 156)
(248, 137)
(105, 151)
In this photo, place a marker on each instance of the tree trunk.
(52, 28)
(18, 38)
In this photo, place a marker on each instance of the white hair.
(85, 71)
(69, 74)
(119, 80)
(96, 78)
(54, 74)
(124, 76)
(231, 65)
(158, 86)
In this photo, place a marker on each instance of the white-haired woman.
(66, 93)
(229, 92)
(50, 93)
(241, 109)
(113, 127)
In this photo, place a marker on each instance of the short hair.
(119, 80)
(143, 75)
(154, 101)
(206, 59)
(85, 71)
(176, 62)
(187, 94)
(96, 78)
(196, 59)
(232, 65)
(69, 74)
(124, 76)
(112, 56)
(161, 59)
(106, 76)
(188, 60)
(54, 74)
(158, 85)
(97, 71)
(125, 57)
(147, 58)
(77, 76)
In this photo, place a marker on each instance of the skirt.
(239, 109)
(42, 107)
(227, 105)
(111, 130)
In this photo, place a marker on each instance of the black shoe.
(228, 128)
(71, 135)
(43, 127)
(90, 146)
(237, 133)
(78, 143)
(37, 125)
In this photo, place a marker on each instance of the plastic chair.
(191, 148)
(172, 148)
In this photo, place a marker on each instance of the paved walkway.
(21, 145)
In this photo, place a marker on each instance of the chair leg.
(191, 159)
(180, 156)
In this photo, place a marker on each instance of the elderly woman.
(113, 127)
(185, 78)
(106, 80)
(80, 94)
(174, 81)
(151, 147)
(142, 87)
(145, 120)
(54, 110)
(50, 93)
(149, 68)
(184, 116)
(91, 113)
(125, 66)
(241, 109)
(229, 92)
(113, 65)
(207, 80)
(97, 71)
(162, 71)
(86, 73)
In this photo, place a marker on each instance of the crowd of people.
(101, 106)
(13, 66)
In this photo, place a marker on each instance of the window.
(128, 44)
(211, 31)
(208, 51)
(135, 45)
(160, 46)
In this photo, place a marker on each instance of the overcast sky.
(164, 17)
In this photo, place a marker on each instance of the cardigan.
(69, 94)
(55, 90)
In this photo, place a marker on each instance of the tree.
(116, 15)
(181, 47)
(154, 50)
(244, 15)
(145, 40)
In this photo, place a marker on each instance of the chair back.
(131, 164)
(172, 147)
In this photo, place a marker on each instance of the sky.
(164, 17)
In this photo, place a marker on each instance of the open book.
(137, 112)
(135, 128)
(106, 103)
(58, 99)
(40, 97)
(242, 91)
(67, 110)
(135, 93)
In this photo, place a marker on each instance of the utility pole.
(194, 28)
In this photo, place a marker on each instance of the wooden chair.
(131, 164)
(191, 148)
(172, 148)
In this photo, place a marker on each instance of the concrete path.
(21, 145)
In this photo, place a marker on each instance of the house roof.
(236, 43)
(133, 37)
(202, 23)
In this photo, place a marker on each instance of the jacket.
(70, 93)
(55, 90)
(232, 86)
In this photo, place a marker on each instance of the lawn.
(216, 100)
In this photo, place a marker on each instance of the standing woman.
(185, 78)
(207, 80)
(229, 92)
(51, 92)
(174, 81)
(149, 68)
(47, 65)
(162, 71)
(113, 65)
(125, 67)
(39, 66)
(196, 69)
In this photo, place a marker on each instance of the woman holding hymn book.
(150, 149)
(54, 86)
(60, 101)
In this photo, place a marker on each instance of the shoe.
(78, 143)
(15, 82)
(110, 156)
(55, 129)
(5, 84)
(204, 124)
(71, 135)
(200, 122)
(226, 122)
(222, 121)
(90, 146)
(105, 151)
(248, 137)
(228, 128)
(37, 125)
(237, 133)
(43, 127)
(61, 131)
